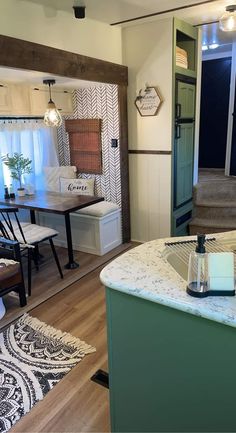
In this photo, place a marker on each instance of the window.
(35, 141)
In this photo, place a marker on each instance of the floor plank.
(76, 404)
(47, 282)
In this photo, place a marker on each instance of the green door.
(185, 108)
(184, 154)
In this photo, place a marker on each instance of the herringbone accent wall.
(100, 102)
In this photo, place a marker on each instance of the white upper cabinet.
(38, 101)
(21, 99)
(63, 101)
(5, 98)
(20, 103)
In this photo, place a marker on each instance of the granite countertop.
(143, 272)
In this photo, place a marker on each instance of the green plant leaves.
(18, 165)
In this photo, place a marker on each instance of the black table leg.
(32, 216)
(71, 264)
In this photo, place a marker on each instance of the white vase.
(2, 309)
(21, 192)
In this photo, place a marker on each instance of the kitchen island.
(171, 356)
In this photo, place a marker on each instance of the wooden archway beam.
(17, 53)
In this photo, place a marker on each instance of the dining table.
(58, 203)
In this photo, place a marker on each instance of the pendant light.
(52, 117)
(228, 20)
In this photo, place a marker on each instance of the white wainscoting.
(150, 198)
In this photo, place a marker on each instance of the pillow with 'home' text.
(77, 186)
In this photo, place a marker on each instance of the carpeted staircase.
(214, 203)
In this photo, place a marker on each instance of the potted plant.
(18, 166)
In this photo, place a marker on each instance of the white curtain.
(35, 141)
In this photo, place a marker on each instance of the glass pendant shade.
(52, 117)
(227, 22)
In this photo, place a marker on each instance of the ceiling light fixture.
(227, 22)
(52, 117)
(213, 46)
(204, 47)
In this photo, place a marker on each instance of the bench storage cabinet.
(95, 229)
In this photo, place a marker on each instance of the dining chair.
(29, 237)
(11, 274)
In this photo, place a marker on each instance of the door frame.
(231, 109)
(21, 54)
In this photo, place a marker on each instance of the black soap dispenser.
(197, 269)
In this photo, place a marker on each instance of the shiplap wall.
(147, 51)
(150, 185)
(93, 103)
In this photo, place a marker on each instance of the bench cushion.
(99, 209)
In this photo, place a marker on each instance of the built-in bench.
(95, 229)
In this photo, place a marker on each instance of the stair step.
(204, 225)
(215, 191)
(230, 223)
(194, 230)
(214, 213)
(215, 203)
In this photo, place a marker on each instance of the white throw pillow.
(52, 176)
(77, 186)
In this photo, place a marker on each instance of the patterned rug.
(34, 357)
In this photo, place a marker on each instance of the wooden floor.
(47, 282)
(76, 404)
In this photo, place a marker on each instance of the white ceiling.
(113, 11)
(36, 78)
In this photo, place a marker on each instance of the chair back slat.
(4, 232)
(20, 228)
(9, 216)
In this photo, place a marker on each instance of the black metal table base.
(72, 265)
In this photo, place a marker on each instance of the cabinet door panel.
(63, 101)
(39, 101)
(20, 99)
(186, 100)
(184, 153)
(5, 99)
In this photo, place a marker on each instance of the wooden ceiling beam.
(20, 54)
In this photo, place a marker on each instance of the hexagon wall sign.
(149, 101)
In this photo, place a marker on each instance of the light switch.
(114, 142)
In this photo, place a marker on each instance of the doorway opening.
(214, 198)
(215, 94)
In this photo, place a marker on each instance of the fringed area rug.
(34, 357)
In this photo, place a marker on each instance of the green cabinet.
(183, 154)
(183, 137)
(185, 100)
(169, 371)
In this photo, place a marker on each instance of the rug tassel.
(51, 332)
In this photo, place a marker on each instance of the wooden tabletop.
(52, 202)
